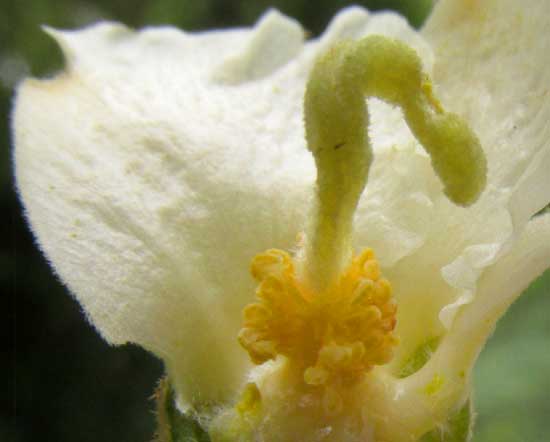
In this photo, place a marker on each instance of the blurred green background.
(63, 383)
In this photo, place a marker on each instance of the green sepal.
(173, 426)
(457, 429)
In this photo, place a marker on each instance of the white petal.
(392, 220)
(531, 192)
(528, 258)
(150, 185)
(493, 66)
(276, 41)
(499, 286)
(441, 275)
(498, 289)
(150, 189)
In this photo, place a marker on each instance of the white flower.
(159, 163)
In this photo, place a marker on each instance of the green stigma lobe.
(336, 122)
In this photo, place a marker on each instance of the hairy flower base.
(279, 406)
(334, 337)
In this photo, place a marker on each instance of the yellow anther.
(364, 288)
(372, 269)
(316, 376)
(255, 313)
(357, 351)
(272, 262)
(334, 336)
(335, 357)
(370, 314)
(382, 290)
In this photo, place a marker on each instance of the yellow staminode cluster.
(335, 336)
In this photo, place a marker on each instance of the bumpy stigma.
(335, 336)
(336, 122)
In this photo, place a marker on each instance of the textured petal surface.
(491, 67)
(499, 49)
(499, 287)
(151, 179)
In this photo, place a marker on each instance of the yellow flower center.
(335, 336)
